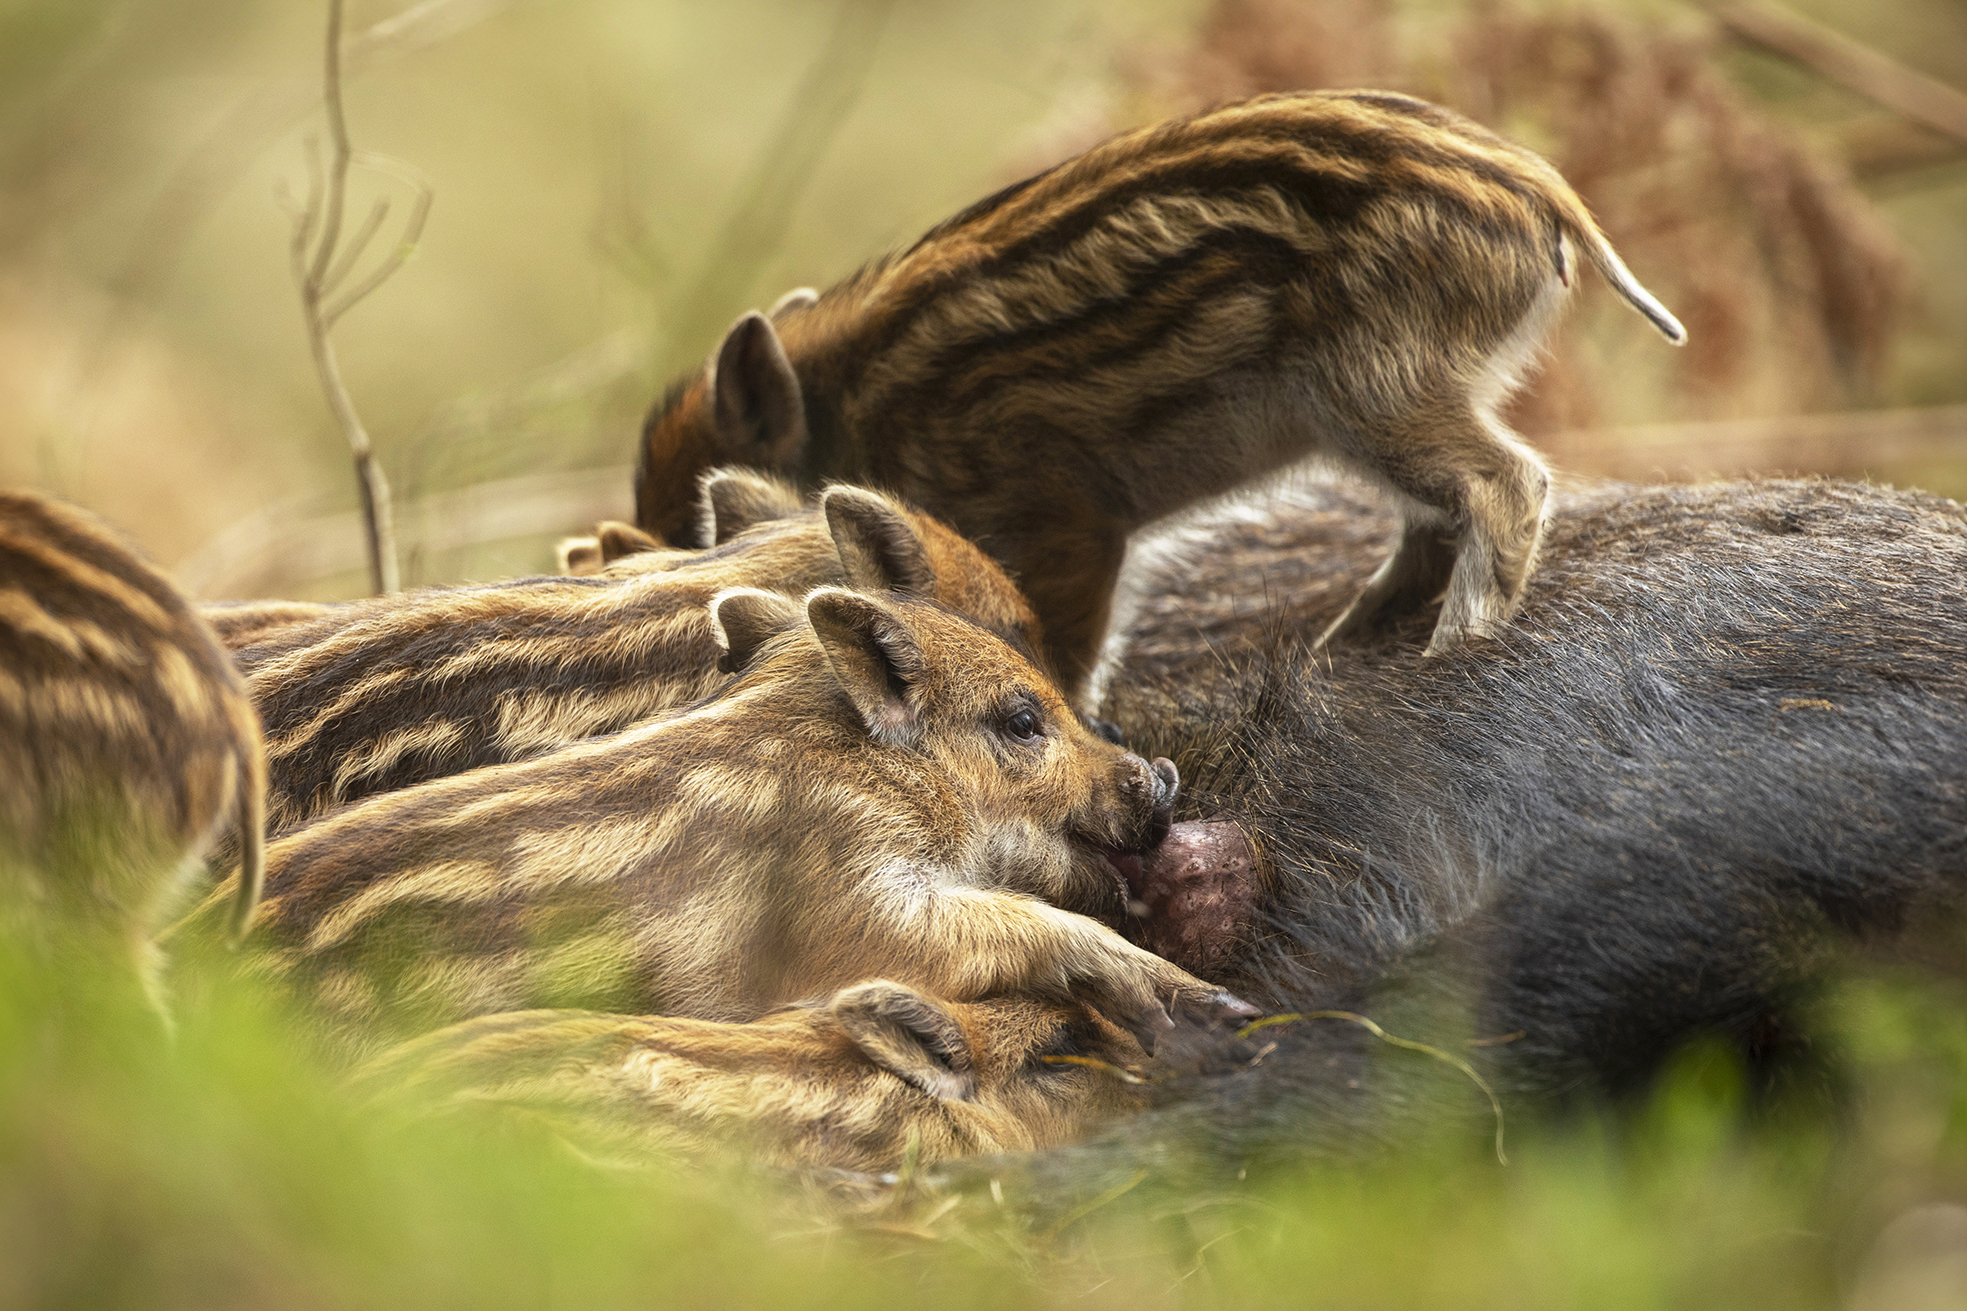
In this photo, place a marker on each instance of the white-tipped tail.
(1606, 260)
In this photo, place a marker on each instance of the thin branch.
(322, 263)
(1849, 63)
(338, 152)
(358, 244)
(311, 212)
(406, 244)
(259, 118)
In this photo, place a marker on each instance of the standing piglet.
(126, 739)
(1354, 275)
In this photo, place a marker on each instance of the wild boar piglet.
(1352, 275)
(847, 1083)
(886, 789)
(387, 693)
(126, 739)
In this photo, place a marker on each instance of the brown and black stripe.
(1335, 219)
(126, 737)
(387, 693)
(1173, 313)
(765, 845)
(394, 691)
(856, 1081)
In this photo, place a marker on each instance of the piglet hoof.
(1215, 1009)
(1206, 1018)
(1449, 638)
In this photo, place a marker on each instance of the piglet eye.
(1023, 725)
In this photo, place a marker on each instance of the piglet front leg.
(968, 943)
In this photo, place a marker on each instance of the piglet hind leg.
(1503, 507)
(1410, 580)
(1472, 523)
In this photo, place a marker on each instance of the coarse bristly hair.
(1782, 268)
(1357, 276)
(374, 696)
(126, 739)
(884, 788)
(1727, 733)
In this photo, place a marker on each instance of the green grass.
(223, 1167)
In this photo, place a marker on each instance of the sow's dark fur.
(1727, 732)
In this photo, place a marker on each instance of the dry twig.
(322, 267)
(1446, 1058)
(256, 121)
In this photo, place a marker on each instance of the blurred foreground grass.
(225, 1168)
(586, 154)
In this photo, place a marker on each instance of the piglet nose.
(1168, 783)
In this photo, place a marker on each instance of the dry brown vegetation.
(1790, 282)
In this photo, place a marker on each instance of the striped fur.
(240, 624)
(847, 1084)
(126, 739)
(1352, 275)
(387, 693)
(886, 789)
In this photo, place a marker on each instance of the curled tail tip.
(1662, 318)
(1615, 272)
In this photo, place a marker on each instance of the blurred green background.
(615, 180)
(223, 1168)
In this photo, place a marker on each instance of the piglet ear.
(880, 551)
(743, 619)
(612, 541)
(732, 500)
(755, 399)
(876, 659)
(799, 298)
(618, 539)
(909, 1035)
(579, 556)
